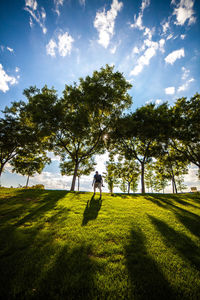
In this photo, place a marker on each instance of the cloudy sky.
(155, 43)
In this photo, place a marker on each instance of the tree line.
(94, 116)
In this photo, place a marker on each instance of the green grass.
(61, 245)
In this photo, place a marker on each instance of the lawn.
(62, 245)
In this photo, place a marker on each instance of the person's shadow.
(91, 210)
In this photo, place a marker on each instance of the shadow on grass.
(190, 220)
(147, 280)
(91, 210)
(163, 200)
(17, 235)
(179, 241)
(71, 276)
(48, 272)
(33, 263)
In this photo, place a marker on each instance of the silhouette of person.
(97, 182)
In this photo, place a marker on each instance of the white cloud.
(170, 36)
(148, 32)
(50, 48)
(31, 22)
(57, 4)
(183, 12)
(65, 44)
(136, 50)
(31, 3)
(185, 85)
(170, 90)
(105, 21)
(10, 49)
(183, 36)
(38, 16)
(145, 3)
(161, 44)
(173, 56)
(43, 13)
(144, 59)
(17, 69)
(138, 20)
(185, 73)
(6, 80)
(165, 27)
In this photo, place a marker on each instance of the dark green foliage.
(186, 133)
(141, 135)
(77, 123)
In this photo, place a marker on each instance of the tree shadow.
(48, 202)
(18, 237)
(163, 200)
(182, 243)
(146, 279)
(191, 221)
(91, 210)
(71, 276)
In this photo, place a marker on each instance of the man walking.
(97, 182)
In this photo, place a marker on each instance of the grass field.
(62, 245)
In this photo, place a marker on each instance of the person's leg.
(100, 189)
(94, 188)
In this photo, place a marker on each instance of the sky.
(154, 43)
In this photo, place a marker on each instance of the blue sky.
(156, 44)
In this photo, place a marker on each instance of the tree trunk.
(27, 181)
(174, 188)
(111, 188)
(74, 177)
(1, 171)
(142, 178)
(129, 184)
(78, 182)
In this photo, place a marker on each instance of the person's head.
(96, 172)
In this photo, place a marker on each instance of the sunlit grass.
(61, 245)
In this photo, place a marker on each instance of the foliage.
(138, 136)
(15, 133)
(29, 162)
(77, 123)
(169, 166)
(84, 168)
(111, 175)
(128, 171)
(186, 135)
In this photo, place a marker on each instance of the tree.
(128, 171)
(85, 168)
(29, 163)
(169, 166)
(186, 134)
(180, 184)
(111, 174)
(77, 123)
(17, 133)
(140, 135)
(150, 177)
(134, 185)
